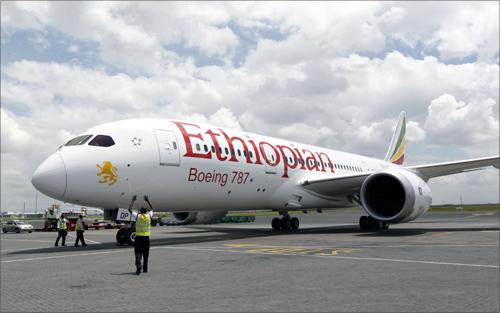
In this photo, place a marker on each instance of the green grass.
(490, 207)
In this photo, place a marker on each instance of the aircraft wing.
(350, 184)
(336, 186)
(447, 168)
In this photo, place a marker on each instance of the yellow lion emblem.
(108, 173)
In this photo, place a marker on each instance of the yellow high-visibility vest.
(143, 225)
(78, 225)
(61, 225)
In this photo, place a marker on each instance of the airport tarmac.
(442, 262)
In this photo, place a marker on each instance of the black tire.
(373, 223)
(121, 236)
(18, 230)
(285, 224)
(275, 223)
(4, 230)
(363, 222)
(385, 225)
(294, 223)
(130, 236)
(29, 231)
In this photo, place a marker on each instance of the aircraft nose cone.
(50, 177)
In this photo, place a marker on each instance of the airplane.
(200, 172)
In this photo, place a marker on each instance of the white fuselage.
(186, 166)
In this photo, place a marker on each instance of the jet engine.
(395, 196)
(199, 217)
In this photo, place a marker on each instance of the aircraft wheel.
(363, 222)
(285, 223)
(294, 223)
(275, 223)
(4, 230)
(130, 236)
(18, 230)
(121, 236)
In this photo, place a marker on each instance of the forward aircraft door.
(168, 147)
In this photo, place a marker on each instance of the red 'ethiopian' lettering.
(297, 158)
(320, 154)
(187, 140)
(286, 161)
(216, 144)
(230, 141)
(263, 151)
(311, 159)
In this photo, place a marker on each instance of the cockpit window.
(80, 140)
(102, 141)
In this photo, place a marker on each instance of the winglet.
(396, 152)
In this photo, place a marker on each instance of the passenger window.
(197, 147)
(251, 154)
(102, 141)
(80, 140)
(239, 152)
(227, 150)
(213, 149)
(244, 153)
(220, 150)
(206, 148)
(175, 145)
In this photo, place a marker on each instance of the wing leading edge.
(429, 171)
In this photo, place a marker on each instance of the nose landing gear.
(126, 235)
(285, 223)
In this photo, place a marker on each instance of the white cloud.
(454, 122)
(24, 15)
(414, 133)
(14, 138)
(302, 132)
(224, 118)
(472, 31)
(301, 75)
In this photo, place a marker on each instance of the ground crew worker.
(80, 228)
(62, 229)
(142, 233)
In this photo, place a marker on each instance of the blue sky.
(332, 74)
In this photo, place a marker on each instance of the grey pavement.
(443, 262)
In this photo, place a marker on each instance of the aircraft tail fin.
(396, 152)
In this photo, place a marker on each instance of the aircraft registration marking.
(255, 248)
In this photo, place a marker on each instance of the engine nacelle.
(199, 217)
(395, 195)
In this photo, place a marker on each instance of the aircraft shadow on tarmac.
(228, 233)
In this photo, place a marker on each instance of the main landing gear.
(126, 235)
(369, 223)
(285, 223)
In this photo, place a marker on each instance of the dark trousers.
(79, 237)
(62, 234)
(141, 249)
